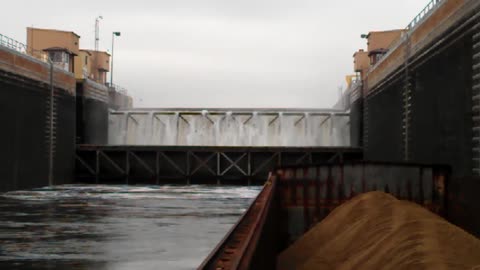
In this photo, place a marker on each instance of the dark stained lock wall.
(356, 123)
(64, 165)
(383, 124)
(92, 118)
(24, 134)
(441, 123)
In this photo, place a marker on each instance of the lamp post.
(111, 68)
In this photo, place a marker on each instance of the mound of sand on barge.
(377, 231)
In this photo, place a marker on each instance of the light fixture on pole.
(111, 68)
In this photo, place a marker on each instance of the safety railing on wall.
(117, 88)
(22, 48)
(421, 16)
(429, 8)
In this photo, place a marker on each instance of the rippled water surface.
(116, 227)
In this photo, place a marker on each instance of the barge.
(294, 199)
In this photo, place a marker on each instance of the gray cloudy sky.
(222, 53)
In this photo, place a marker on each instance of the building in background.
(378, 45)
(82, 65)
(361, 63)
(60, 46)
(379, 42)
(57, 95)
(63, 49)
(96, 64)
(94, 96)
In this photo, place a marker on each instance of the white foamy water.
(205, 128)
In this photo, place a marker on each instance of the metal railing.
(22, 48)
(427, 10)
(117, 88)
(421, 16)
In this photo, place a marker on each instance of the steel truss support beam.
(172, 163)
(264, 164)
(111, 162)
(85, 165)
(141, 162)
(234, 164)
(203, 163)
(301, 160)
(157, 164)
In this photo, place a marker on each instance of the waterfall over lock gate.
(229, 128)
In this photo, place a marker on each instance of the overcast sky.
(222, 53)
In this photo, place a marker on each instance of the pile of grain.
(377, 231)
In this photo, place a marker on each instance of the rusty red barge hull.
(296, 198)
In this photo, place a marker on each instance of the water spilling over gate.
(236, 127)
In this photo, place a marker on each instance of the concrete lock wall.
(92, 112)
(229, 128)
(420, 100)
(25, 118)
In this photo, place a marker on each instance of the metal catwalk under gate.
(195, 164)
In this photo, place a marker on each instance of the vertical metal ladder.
(476, 99)
(51, 126)
(407, 102)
